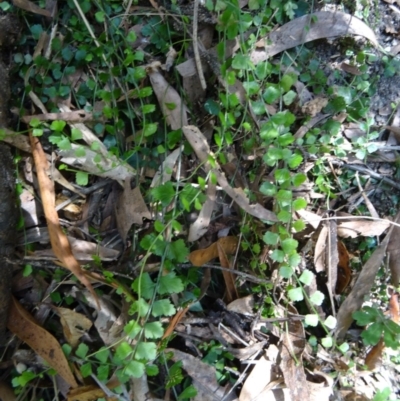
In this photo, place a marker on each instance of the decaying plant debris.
(207, 202)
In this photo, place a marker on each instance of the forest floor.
(208, 200)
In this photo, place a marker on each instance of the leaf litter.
(127, 207)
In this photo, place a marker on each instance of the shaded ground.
(131, 126)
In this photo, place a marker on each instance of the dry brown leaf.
(19, 141)
(92, 392)
(231, 291)
(58, 239)
(394, 308)
(174, 322)
(22, 324)
(373, 360)
(362, 287)
(31, 7)
(313, 107)
(203, 256)
(291, 350)
(394, 255)
(74, 325)
(130, 209)
(202, 150)
(351, 69)
(172, 106)
(6, 392)
(344, 271)
(319, 25)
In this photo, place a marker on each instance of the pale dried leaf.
(130, 209)
(87, 135)
(309, 217)
(319, 25)
(242, 305)
(172, 106)
(108, 167)
(261, 375)
(319, 253)
(108, 324)
(320, 387)
(332, 256)
(76, 116)
(164, 172)
(85, 250)
(201, 225)
(359, 227)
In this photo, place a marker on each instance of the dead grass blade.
(59, 241)
(319, 25)
(22, 324)
(202, 150)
